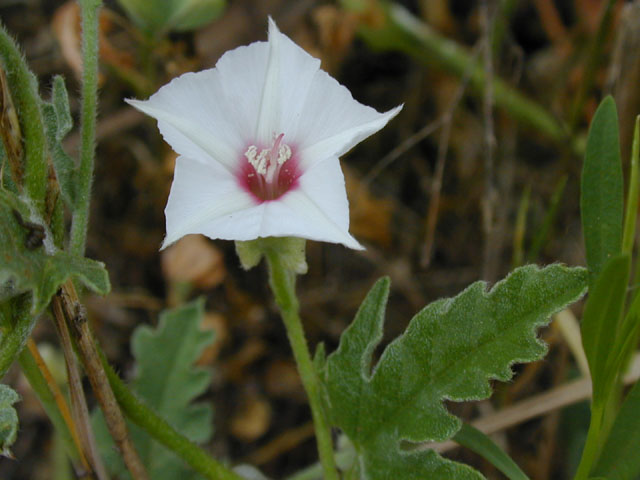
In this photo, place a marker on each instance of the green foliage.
(8, 419)
(160, 16)
(480, 443)
(24, 90)
(602, 314)
(601, 190)
(619, 459)
(168, 382)
(58, 122)
(450, 351)
(30, 261)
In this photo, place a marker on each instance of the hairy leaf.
(58, 123)
(450, 351)
(601, 189)
(619, 459)
(30, 262)
(8, 419)
(168, 382)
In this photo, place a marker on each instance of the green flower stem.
(403, 31)
(282, 283)
(24, 90)
(592, 445)
(144, 417)
(90, 12)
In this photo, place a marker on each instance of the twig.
(76, 320)
(436, 184)
(282, 443)
(489, 140)
(401, 149)
(78, 401)
(87, 471)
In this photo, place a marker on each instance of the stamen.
(268, 160)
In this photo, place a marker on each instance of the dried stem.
(78, 401)
(66, 302)
(490, 195)
(63, 408)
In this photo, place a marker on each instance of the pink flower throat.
(269, 173)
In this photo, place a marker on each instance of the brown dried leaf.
(252, 419)
(282, 379)
(217, 323)
(195, 260)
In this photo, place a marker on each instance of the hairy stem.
(282, 283)
(90, 12)
(23, 88)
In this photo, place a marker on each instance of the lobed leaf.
(30, 262)
(168, 382)
(8, 419)
(450, 351)
(601, 189)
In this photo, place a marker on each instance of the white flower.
(259, 138)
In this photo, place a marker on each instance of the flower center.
(270, 172)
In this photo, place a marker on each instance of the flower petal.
(288, 78)
(332, 122)
(318, 209)
(206, 199)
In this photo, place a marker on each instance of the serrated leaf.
(601, 189)
(450, 351)
(30, 261)
(168, 382)
(8, 419)
(58, 122)
(619, 459)
(602, 314)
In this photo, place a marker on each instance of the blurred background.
(478, 174)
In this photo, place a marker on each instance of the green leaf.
(601, 190)
(58, 122)
(30, 262)
(475, 440)
(24, 90)
(602, 314)
(160, 16)
(8, 419)
(450, 351)
(168, 382)
(619, 459)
